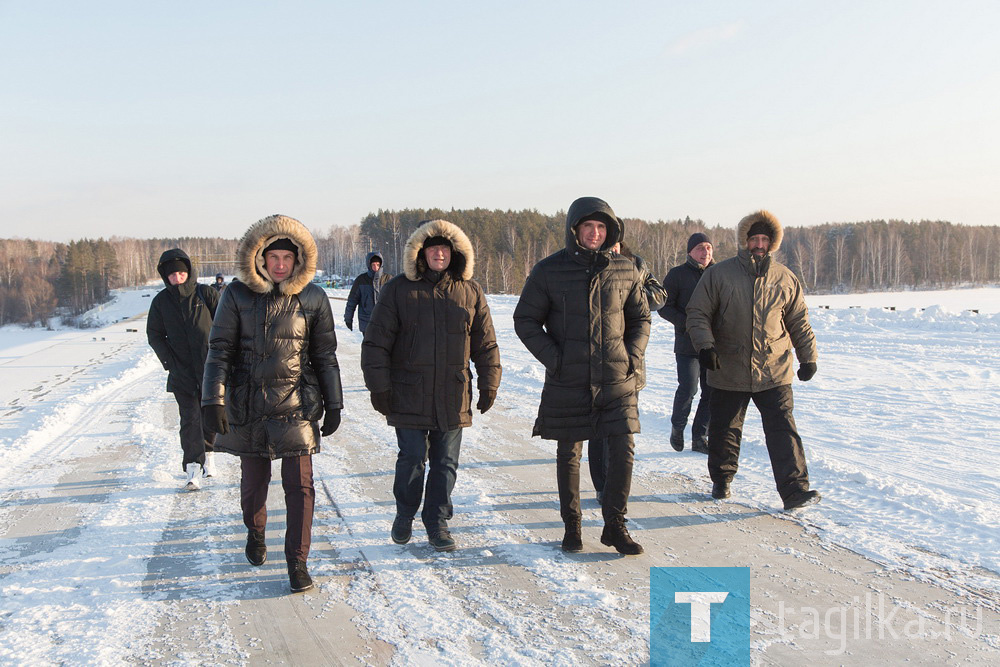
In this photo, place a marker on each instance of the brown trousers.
(300, 499)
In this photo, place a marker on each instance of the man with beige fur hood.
(748, 320)
(427, 325)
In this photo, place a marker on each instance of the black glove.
(486, 399)
(350, 325)
(213, 419)
(382, 401)
(807, 370)
(331, 422)
(709, 359)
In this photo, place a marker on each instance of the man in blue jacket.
(365, 292)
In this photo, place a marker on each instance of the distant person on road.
(428, 324)
(271, 375)
(220, 282)
(584, 315)
(680, 282)
(177, 328)
(365, 292)
(748, 320)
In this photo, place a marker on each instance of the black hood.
(177, 254)
(586, 207)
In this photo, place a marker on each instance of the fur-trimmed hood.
(462, 256)
(250, 255)
(777, 234)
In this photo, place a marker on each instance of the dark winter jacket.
(584, 315)
(272, 359)
(365, 292)
(423, 332)
(754, 314)
(656, 294)
(680, 282)
(178, 324)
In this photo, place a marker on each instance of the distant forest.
(39, 279)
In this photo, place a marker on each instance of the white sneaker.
(192, 484)
(209, 466)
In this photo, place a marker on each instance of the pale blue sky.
(197, 118)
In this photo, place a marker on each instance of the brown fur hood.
(462, 256)
(777, 234)
(250, 255)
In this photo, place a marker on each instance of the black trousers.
(300, 499)
(784, 446)
(195, 440)
(619, 453)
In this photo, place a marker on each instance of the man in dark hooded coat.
(365, 292)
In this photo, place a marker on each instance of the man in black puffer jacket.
(177, 327)
(583, 314)
(271, 374)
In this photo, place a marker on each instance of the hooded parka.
(272, 357)
(753, 312)
(366, 291)
(423, 332)
(178, 325)
(583, 314)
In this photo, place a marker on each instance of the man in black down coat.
(177, 327)
(680, 282)
(365, 292)
(271, 374)
(424, 330)
(583, 314)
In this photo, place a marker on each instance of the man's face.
(438, 257)
(177, 277)
(702, 253)
(591, 234)
(759, 245)
(375, 265)
(279, 264)
(219, 280)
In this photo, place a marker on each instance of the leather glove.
(350, 324)
(807, 370)
(486, 399)
(382, 401)
(213, 419)
(331, 422)
(709, 359)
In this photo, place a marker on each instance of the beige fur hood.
(250, 255)
(777, 234)
(462, 255)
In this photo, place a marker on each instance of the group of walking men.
(254, 369)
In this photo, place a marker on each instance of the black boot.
(720, 490)
(573, 539)
(298, 576)
(616, 535)
(699, 445)
(677, 438)
(402, 529)
(256, 548)
(801, 499)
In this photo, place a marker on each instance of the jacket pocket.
(463, 391)
(408, 393)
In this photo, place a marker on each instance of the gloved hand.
(331, 422)
(382, 401)
(486, 399)
(709, 359)
(349, 323)
(807, 370)
(213, 419)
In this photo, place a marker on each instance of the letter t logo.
(701, 611)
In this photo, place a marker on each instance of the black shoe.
(298, 576)
(720, 490)
(402, 529)
(801, 499)
(699, 445)
(677, 438)
(441, 540)
(616, 535)
(256, 548)
(573, 539)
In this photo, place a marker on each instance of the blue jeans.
(440, 449)
(689, 375)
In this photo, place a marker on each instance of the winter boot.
(194, 471)
(298, 576)
(256, 548)
(209, 467)
(677, 438)
(720, 490)
(616, 535)
(573, 539)
(801, 499)
(441, 539)
(699, 445)
(402, 529)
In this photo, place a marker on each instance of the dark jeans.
(440, 449)
(195, 440)
(690, 375)
(619, 452)
(300, 499)
(784, 446)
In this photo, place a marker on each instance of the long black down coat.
(584, 315)
(178, 325)
(423, 333)
(272, 358)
